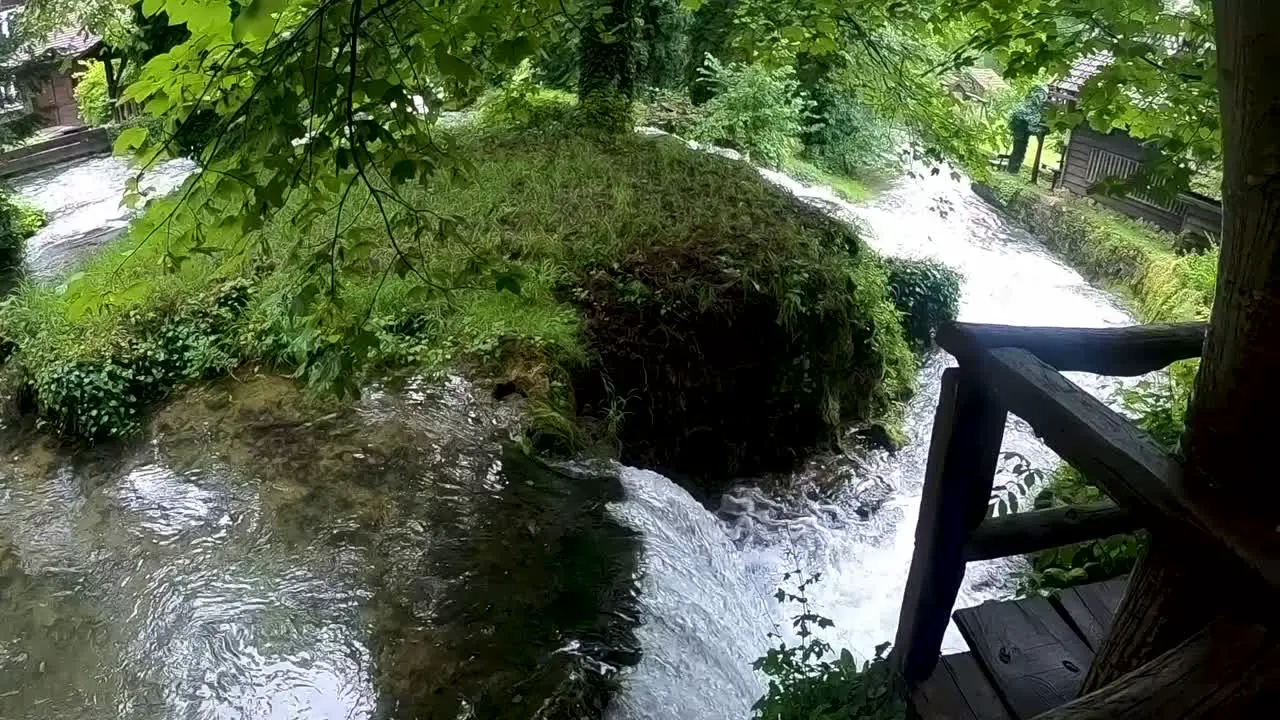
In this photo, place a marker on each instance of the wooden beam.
(1036, 661)
(1122, 460)
(1216, 673)
(1129, 351)
(967, 432)
(1028, 532)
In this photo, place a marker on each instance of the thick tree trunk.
(1021, 138)
(608, 50)
(1231, 427)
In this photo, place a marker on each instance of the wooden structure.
(1029, 657)
(58, 149)
(1092, 157)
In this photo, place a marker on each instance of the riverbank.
(642, 296)
(1142, 265)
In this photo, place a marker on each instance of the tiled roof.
(1068, 88)
(70, 42)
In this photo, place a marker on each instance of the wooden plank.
(1230, 669)
(1130, 351)
(1028, 532)
(1035, 660)
(1091, 608)
(1122, 460)
(958, 690)
(967, 431)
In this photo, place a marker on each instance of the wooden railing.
(1018, 370)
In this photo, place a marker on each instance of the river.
(257, 557)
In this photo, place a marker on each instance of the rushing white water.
(710, 577)
(82, 199)
(707, 578)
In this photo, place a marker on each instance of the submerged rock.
(391, 558)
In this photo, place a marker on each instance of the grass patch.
(851, 189)
(671, 299)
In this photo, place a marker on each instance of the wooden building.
(54, 99)
(1092, 157)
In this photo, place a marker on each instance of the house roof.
(977, 83)
(68, 43)
(1068, 87)
(65, 44)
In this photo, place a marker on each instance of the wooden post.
(967, 432)
(1035, 169)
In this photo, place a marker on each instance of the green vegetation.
(92, 101)
(19, 220)
(809, 681)
(637, 282)
(927, 293)
(755, 109)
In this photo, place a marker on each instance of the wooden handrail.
(1121, 459)
(1017, 370)
(1127, 351)
(1209, 675)
(1029, 532)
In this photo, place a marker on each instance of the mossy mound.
(664, 298)
(728, 326)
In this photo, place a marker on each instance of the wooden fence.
(59, 149)
(1018, 370)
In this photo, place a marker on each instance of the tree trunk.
(1021, 138)
(608, 50)
(1228, 443)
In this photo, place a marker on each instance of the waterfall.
(707, 604)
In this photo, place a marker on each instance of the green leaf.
(256, 20)
(129, 140)
(454, 66)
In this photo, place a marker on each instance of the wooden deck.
(1026, 656)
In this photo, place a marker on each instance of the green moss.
(671, 297)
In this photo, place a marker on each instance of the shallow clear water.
(251, 559)
(258, 558)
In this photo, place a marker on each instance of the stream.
(259, 555)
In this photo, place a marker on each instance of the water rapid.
(254, 557)
(710, 576)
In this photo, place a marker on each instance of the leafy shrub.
(103, 395)
(755, 109)
(926, 292)
(92, 99)
(848, 138)
(523, 104)
(805, 685)
(19, 220)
